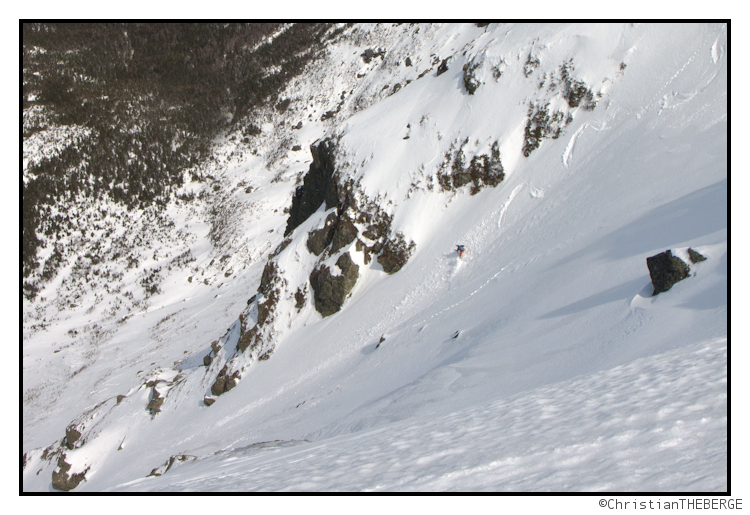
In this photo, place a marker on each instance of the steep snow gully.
(540, 361)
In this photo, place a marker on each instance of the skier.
(460, 249)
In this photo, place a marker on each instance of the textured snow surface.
(656, 424)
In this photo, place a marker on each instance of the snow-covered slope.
(536, 362)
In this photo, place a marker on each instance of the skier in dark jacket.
(460, 249)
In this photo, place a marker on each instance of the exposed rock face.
(344, 235)
(695, 257)
(156, 401)
(331, 291)
(62, 479)
(318, 240)
(666, 270)
(269, 273)
(247, 338)
(72, 436)
(318, 186)
(300, 297)
(395, 254)
(224, 382)
(443, 66)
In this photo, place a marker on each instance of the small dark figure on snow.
(460, 249)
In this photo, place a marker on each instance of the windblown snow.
(538, 362)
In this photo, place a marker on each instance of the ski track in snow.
(570, 147)
(506, 205)
(579, 435)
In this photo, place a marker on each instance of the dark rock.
(232, 381)
(407, 62)
(269, 273)
(461, 179)
(443, 67)
(318, 186)
(345, 233)
(299, 296)
(268, 306)
(666, 270)
(120, 398)
(327, 115)
(296, 148)
(249, 189)
(369, 54)
(62, 480)
(695, 257)
(298, 126)
(228, 273)
(247, 338)
(207, 360)
(208, 400)
(156, 401)
(395, 254)
(218, 387)
(318, 240)
(72, 435)
(331, 291)
(163, 469)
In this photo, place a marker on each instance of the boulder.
(395, 254)
(156, 401)
(666, 270)
(443, 66)
(208, 400)
(318, 240)
(299, 297)
(330, 291)
(61, 477)
(695, 257)
(345, 233)
(72, 435)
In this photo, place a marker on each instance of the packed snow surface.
(539, 361)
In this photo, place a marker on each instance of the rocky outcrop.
(317, 187)
(396, 253)
(666, 270)
(156, 401)
(163, 469)
(695, 257)
(483, 170)
(443, 66)
(330, 291)
(345, 234)
(62, 479)
(72, 437)
(224, 382)
(318, 240)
